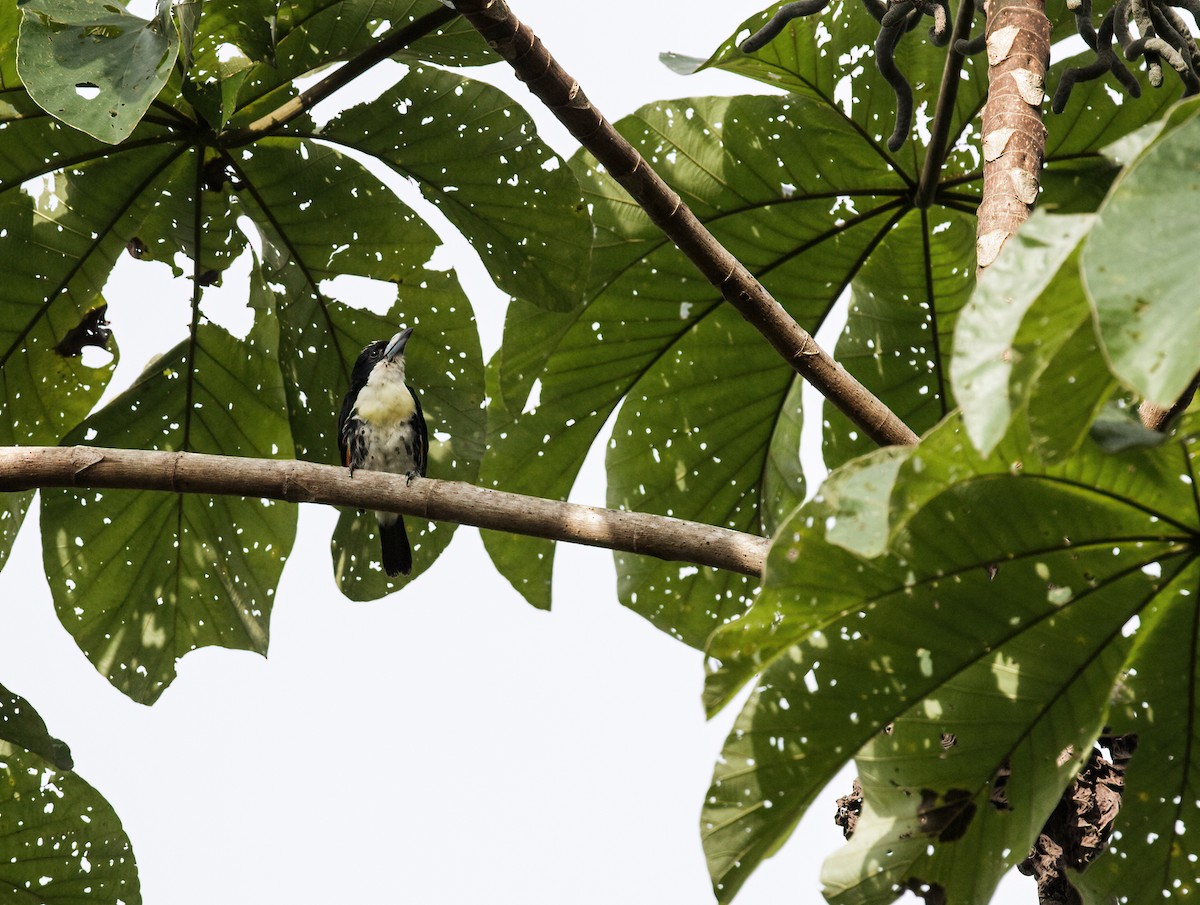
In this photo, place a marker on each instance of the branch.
(562, 95)
(29, 467)
(293, 107)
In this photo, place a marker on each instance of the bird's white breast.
(385, 399)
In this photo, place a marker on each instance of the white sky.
(448, 744)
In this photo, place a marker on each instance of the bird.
(382, 428)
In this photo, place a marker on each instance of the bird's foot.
(409, 475)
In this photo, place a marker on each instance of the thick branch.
(28, 467)
(562, 95)
(1014, 138)
(293, 107)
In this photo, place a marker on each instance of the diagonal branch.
(353, 68)
(29, 467)
(534, 65)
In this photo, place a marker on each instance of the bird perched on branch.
(382, 428)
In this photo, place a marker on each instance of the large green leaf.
(176, 192)
(60, 842)
(1138, 268)
(1028, 305)
(93, 65)
(141, 578)
(1001, 613)
(803, 190)
(1156, 701)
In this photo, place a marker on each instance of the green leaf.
(804, 192)
(21, 725)
(1001, 613)
(94, 66)
(512, 197)
(1028, 303)
(60, 841)
(898, 340)
(171, 193)
(140, 578)
(1152, 849)
(317, 32)
(310, 34)
(297, 191)
(1137, 268)
(710, 443)
(829, 55)
(444, 364)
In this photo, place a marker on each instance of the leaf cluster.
(1018, 582)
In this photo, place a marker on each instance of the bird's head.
(386, 353)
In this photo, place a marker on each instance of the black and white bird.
(382, 428)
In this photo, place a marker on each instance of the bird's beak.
(396, 347)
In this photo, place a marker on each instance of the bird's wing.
(343, 440)
(422, 435)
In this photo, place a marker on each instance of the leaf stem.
(551, 84)
(943, 116)
(27, 467)
(1158, 418)
(394, 41)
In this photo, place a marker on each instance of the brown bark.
(28, 467)
(1014, 138)
(534, 65)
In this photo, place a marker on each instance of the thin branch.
(534, 65)
(293, 107)
(29, 467)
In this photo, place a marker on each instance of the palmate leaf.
(1000, 613)
(177, 192)
(60, 841)
(802, 189)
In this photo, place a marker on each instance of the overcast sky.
(448, 744)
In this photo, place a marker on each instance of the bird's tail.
(397, 556)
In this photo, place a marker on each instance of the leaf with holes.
(140, 578)
(60, 841)
(174, 192)
(1003, 613)
(524, 215)
(803, 191)
(117, 62)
